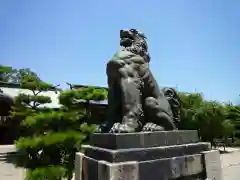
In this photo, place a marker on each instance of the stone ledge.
(144, 154)
(170, 168)
(143, 139)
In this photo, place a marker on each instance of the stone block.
(143, 139)
(212, 164)
(172, 168)
(162, 169)
(90, 169)
(144, 154)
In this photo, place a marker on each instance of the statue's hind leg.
(159, 120)
(157, 110)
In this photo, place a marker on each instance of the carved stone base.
(143, 139)
(143, 154)
(161, 169)
(156, 156)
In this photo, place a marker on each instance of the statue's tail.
(174, 101)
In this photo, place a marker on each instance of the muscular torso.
(125, 64)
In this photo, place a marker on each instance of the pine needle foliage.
(49, 137)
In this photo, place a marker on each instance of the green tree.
(10, 75)
(228, 129)
(6, 73)
(190, 103)
(25, 73)
(53, 137)
(233, 114)
(210, 118)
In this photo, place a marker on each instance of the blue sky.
(194, 44)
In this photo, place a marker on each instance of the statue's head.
(134, 41)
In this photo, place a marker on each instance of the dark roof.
(5, 97)
(16, 85)
(9, 85)
(85, 86)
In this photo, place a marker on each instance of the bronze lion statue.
(135, 101)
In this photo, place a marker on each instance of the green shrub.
(52, 137)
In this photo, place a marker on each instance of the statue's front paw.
(121, 128)
(152, 127)
(99, 129)
(103, 128)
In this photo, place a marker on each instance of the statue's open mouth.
(124, 34)
(127, 38)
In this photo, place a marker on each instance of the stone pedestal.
(167, 155)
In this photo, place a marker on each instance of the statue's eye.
(133, 30)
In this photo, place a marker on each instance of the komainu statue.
(135, 101)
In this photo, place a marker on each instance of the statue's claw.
(121, 128)
(99, 129)
(152, 127)
(104, 128)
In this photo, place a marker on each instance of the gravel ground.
(230, 165)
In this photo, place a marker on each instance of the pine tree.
(6, 73)
(10, 75)
(52, 137)
(233, 114)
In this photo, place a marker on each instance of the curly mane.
(139, 45)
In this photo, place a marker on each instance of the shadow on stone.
(14, 158)
(224, 152)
